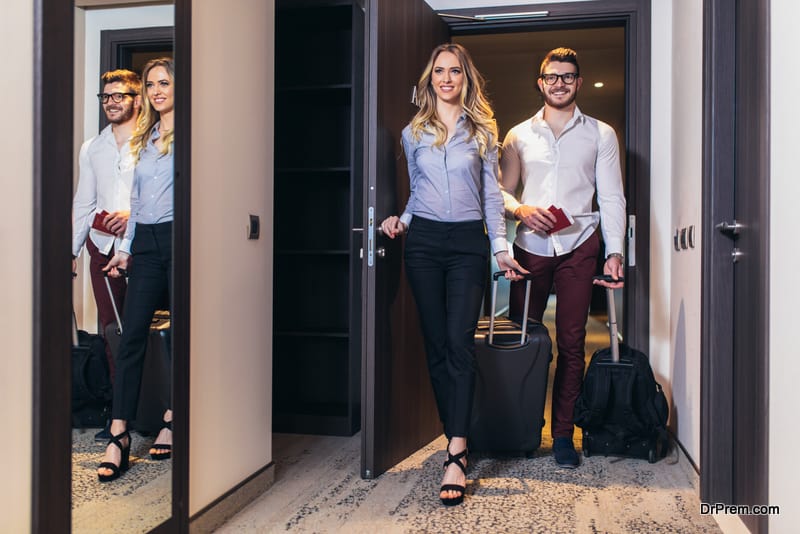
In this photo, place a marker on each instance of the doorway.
(393, 376)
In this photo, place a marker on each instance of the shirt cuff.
(499, 244)
(125, 246)
(406, 219)
(615, 246)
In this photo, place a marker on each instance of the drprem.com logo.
(738, 509)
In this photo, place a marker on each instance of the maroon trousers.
(572, 276)
(105, 310)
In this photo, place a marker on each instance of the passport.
(97, 223)
(563, 219)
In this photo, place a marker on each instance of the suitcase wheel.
(651, 456)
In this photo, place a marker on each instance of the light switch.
(253, 227)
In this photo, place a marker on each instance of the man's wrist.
(617, 255)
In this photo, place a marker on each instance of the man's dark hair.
(129, 78)
(562, 55)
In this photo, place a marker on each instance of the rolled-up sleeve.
(610, 194)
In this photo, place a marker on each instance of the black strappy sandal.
(117, 470)
(164, 450)
(454, 459)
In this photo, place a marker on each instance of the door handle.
(732, 229)
(380, 252)
(736, 254)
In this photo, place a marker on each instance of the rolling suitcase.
(91, 383)
(154, 392)
(621, 409)
(512, 365)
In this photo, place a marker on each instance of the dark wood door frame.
(634, 16)
(52, 294)
(734, 399)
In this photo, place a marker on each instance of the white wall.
(686, 183)
(16, 266)
(784, 365)
(231, 285)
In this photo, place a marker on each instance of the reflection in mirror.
(133, 492)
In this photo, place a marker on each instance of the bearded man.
(564, 159)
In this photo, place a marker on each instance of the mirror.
(109, 35)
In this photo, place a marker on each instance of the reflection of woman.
(451, 148)
(146, 251)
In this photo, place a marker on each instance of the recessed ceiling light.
(598, 84)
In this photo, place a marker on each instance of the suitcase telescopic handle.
(612, 316)
(495, 277)
(113, 300)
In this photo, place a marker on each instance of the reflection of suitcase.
(154, 392)
(510, 383)
(91, 385)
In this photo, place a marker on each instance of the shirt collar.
(577, 116)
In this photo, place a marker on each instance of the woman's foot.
(454, 482)
(162, 447)
(117, 453)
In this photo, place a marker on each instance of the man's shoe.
(564, 453)
(104, 435)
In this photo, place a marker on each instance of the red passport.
(97, 223)
(563, 219)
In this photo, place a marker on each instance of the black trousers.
(446, 266)
(150, 276)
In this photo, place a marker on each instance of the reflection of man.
(104, 187)
(563, 158)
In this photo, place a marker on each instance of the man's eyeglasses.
(568, 78)
(115, 97)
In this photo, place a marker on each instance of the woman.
(146, 250)
(451, 148)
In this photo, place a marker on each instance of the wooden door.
(398, 408)
(735, 359)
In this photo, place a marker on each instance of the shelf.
(316, 170)
(306, 252)
(326, 88)
(310, 334)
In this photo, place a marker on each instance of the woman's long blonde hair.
(149, 116)
(480, 116)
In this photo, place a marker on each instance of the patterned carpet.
(318, 489)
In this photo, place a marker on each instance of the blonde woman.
(146, 253)
(455, 200)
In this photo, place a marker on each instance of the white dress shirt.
(565, 172)
(104, 183)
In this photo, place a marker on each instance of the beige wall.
(16, 279)
(784, 365)
(232, 176)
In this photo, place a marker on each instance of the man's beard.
(124, 116)
(559, 104)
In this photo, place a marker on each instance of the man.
(101, 207)
(563, 159)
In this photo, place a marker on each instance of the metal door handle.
(380, 252)
(730, 228)
(736, 254)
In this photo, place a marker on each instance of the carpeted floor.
(134, 503)
(318, 489)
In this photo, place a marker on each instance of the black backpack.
(91, 382)
(621, 408)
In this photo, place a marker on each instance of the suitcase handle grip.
(500, 274)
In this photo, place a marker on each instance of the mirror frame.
(51, 451)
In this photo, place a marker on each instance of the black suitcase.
(154, 392)
(91, 383)
(621, 409)
(512, 365)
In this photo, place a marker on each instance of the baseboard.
(231, 503)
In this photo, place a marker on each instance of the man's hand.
(117, 222)
(510, 266)
(535, 218)
(393, 226)
(118, 263)
(615, 269)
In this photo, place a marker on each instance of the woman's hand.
(510, 266)
(118, 263)
(393, 226)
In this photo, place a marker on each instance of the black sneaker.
(564, 453)
(104, 435)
